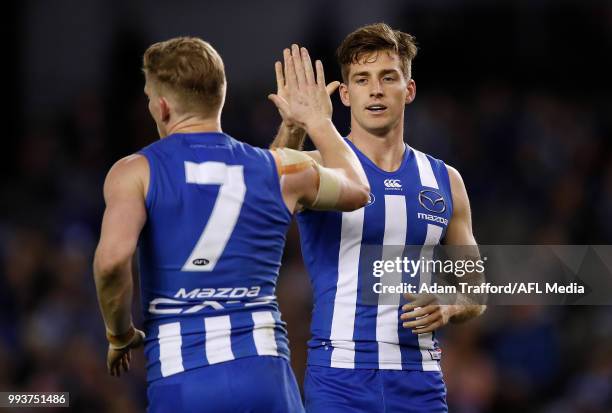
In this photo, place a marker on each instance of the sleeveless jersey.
(404, 209)
(210, 253)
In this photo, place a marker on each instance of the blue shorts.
(251, 384)
(330, 390)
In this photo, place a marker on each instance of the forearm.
(114, 289)
(335, 152)
(468, 306)
(466, 311)
(289, 137)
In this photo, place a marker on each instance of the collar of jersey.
(203, 137)
(372, 165)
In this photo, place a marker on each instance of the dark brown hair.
(374, 38)
(191, 69)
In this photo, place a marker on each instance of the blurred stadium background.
(516, 95)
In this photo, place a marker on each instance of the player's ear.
(344, 95)
(164, 109)
(411, 89)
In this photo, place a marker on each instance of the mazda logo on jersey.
(393, 184)
(432, 201)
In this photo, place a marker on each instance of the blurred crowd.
(537, 164)
(537, 168)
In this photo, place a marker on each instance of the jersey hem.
(412, 366)
(160, 377)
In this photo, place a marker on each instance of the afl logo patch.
(200, 262)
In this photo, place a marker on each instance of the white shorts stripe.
(263, 333)
(434, 233)
(387, 319)
(345, 302)
(425, 171)
(218, 339)
(170, 342)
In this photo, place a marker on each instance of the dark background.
(516, 95)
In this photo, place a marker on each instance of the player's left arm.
(424, 313)
(459, 233)
(124, 217)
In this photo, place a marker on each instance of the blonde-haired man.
(209, 214)
(377, 355)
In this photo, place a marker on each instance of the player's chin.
(379, 127)
(378, 119)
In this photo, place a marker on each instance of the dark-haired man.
(368, 357)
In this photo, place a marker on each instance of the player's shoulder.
(454, 177)
(457, 185)
(240, 147)
(160, 142)
(130, 165)
(132, 170)
(432, 159)
(436, 163)
(453, 173)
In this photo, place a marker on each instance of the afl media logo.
(432, 201)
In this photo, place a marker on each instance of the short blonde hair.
(374, 38)
(191, 69)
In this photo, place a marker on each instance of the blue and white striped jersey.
(210, 253)
(404, 209)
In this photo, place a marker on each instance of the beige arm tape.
(291, 161)
(329, 189)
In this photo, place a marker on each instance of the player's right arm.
(290, 135)
(124, 217)
(309, 184)
(341, 183)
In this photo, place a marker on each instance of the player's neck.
(386, 151)
(195, 124)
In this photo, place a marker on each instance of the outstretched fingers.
(320, 74)
(280, 77)
(310, 76)
(331, 88)
(290, 76)
(299, 67)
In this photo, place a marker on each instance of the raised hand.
(301, 98)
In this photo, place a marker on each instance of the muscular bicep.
(459, 231)
(125, 212)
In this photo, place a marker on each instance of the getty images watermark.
(492, 274)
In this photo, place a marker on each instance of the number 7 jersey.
(210, 252)
(410, 206)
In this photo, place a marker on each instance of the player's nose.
(376, 89)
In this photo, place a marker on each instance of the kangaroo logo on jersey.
(394, 184)
(200, 262)
(432, 201)
(371, 200)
